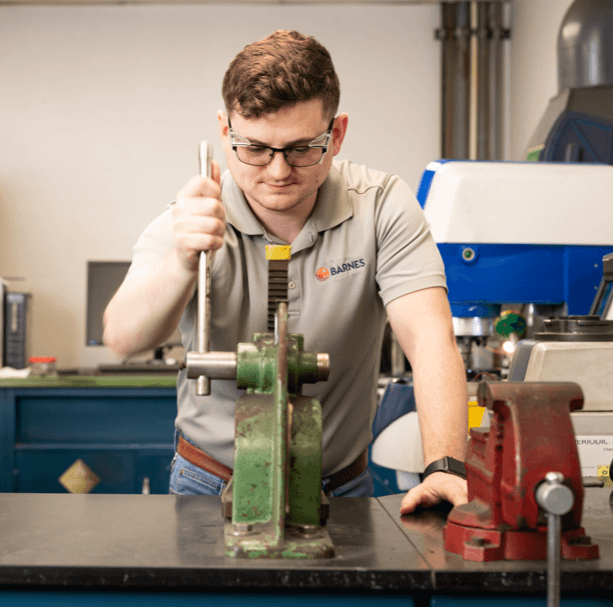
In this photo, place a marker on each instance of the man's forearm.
(148, 306)
(422, 323)
(442, 404)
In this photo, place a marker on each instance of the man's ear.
(339, 130)
(222, 119)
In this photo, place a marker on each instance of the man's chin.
(280, 201)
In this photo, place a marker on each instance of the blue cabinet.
(121, 429)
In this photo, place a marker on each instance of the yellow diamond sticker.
(79, 478)
(278, 251)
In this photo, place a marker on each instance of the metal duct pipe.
(479, 136)
(483, 91)
(585, 53)
(496, 123)
(455, 36)
(445, 34)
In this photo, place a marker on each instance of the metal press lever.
(203, 383)
(204, 365)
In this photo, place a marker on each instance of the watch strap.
(446, 464)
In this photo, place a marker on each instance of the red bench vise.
(530, 434)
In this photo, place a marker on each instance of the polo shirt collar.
(238, 211)
(332, 208)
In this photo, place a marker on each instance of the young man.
(361, 252)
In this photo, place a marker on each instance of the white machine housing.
(520, 203)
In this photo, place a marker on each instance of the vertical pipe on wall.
(455, 36)
(461, 122)
(472, 134)
(497, 87)
(484, 99)
(446, 34)
(472, 82)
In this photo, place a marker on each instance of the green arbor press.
(274, 506)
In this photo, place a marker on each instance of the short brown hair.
(281, 70)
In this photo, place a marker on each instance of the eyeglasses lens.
(297, 157)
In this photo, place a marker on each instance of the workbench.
(121, 428)
(164, 549)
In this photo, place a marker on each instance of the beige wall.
(102, 108)
(534, 66)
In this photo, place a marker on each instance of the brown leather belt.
(199, 458)
(353, 470)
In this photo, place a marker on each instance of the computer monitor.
(103, 280)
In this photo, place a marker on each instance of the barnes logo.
(324, 273)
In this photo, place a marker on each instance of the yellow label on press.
(278, 251)
(475, 414)
(603, 472)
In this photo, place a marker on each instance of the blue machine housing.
(521, 274)
(482, 276)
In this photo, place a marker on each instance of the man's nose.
(278, 166)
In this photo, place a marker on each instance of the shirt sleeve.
(408, 259)
(154, 243)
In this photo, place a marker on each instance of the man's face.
(279, 187)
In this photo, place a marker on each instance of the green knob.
(510, 322)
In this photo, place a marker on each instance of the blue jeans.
(187, 479)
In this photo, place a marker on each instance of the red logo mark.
(322, 274)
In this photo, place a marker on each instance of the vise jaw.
(530, 434)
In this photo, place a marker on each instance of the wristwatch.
(446, 464)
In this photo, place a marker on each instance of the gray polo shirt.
(366, 243)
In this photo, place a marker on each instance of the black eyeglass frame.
(239, 140)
